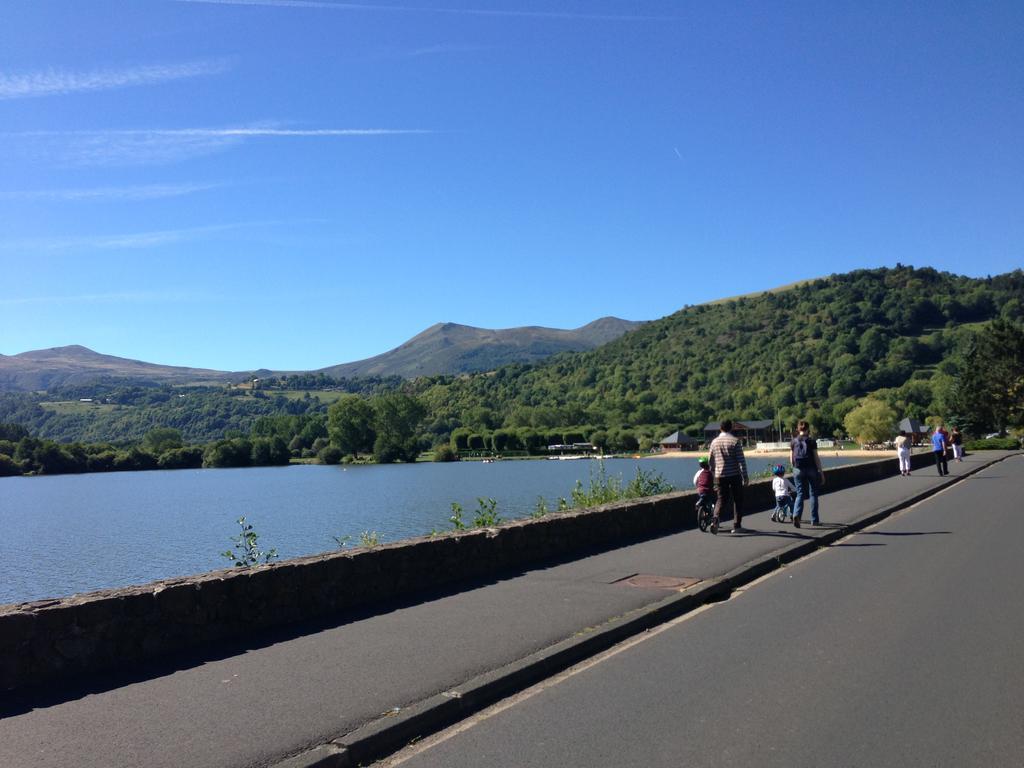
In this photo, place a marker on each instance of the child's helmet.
(702, 460)
(778, 470)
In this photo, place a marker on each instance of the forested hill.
(809, 350)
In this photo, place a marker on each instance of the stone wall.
(120, 628)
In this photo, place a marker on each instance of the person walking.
(903, 452)
(939, 451)
(957, 439)
(808, 476)
(729, 467)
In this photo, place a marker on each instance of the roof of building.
(678, 438)
(912, 425)
(714, 426)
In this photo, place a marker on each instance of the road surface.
(902, 645)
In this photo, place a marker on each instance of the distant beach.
(851, 452)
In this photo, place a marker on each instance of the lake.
(74, 533)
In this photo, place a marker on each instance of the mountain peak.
(453, 348)
(71, 351)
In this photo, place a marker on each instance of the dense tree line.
(923, 344)
(364, 385)
(123, 415)
(162, 448)
(386, 426)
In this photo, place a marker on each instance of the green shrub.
(330, 454)
(604, 489)
(486, 513)
(647, 484)
(993, 444)
(104, 461)
(445, 453)
(8, 467)
(189, 457)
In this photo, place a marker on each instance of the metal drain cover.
(647, 581)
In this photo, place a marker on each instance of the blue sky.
(292, 184)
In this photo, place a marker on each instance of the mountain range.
(444, 348)
(814, 350)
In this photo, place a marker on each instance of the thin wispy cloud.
(441, 50)
(321, 4)
(131, 297)
(161, 146)
(127, 241)
(257, 131)
(143, 192)
(54, 82)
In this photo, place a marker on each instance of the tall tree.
(160, 439)
(871, 422)
(989, 388)
(350, 424)
(397, 418)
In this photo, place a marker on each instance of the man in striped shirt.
(729, 467)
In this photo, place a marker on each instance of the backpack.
(800, 450)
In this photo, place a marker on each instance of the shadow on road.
(781, 534)
(851, 544)
(52, 693)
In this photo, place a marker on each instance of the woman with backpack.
(808, 476)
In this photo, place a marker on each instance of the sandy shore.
(751, 452)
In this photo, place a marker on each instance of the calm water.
(74, 533)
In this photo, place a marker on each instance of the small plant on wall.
(246, 552)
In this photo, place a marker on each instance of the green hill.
(808, 350)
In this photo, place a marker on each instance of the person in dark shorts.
(808, 476)
(729, 467)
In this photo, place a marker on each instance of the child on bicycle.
(703, 479)
(783, 489)
(705, 506)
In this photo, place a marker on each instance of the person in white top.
(902, 443)
(783, 489)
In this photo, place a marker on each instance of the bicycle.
(705, 509)
(783, 511)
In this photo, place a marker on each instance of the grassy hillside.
(44, 369)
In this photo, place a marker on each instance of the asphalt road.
(286, 693)
(902, 645)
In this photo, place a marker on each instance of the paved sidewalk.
(283, 697)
